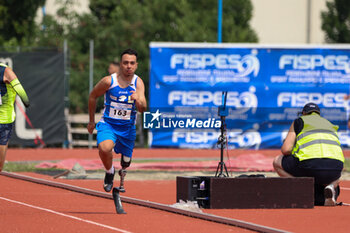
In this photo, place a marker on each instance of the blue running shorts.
(5, 133)
(123, 137)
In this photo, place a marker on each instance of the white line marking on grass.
(66, 215)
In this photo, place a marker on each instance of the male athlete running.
(124, 92)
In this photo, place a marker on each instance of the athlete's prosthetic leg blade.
(122, 174)
(117, 201)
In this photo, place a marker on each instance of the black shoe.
(108, 182)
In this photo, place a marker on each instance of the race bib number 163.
(120, 111)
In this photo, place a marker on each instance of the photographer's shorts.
(325, 171)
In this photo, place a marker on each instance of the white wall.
(286, 21)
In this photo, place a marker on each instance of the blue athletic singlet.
(119, 109)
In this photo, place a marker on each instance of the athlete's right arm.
(10, 77)
(100, 88)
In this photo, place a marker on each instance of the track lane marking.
(65, 215)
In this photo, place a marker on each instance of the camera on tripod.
(222, 112)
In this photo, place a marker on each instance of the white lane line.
(66, 215)
(343, 188)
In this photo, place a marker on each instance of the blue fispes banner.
(266, 89)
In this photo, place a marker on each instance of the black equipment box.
(246, 192)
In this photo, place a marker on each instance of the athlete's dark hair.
(128, 51)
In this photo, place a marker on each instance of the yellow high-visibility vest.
(317, 139)
(7, 101)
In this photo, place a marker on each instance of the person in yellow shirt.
(9, 88)
(312, 149)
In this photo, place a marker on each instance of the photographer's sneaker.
(329, 194)
(108, 182)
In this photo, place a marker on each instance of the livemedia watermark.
(159, 120)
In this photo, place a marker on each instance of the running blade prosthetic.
(117, 201)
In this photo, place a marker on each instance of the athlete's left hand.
(134, 95)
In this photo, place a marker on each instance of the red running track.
(20, 200)
(29, 207)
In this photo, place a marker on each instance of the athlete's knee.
(105, 147)
(125, 161)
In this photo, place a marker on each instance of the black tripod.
(222, 112)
